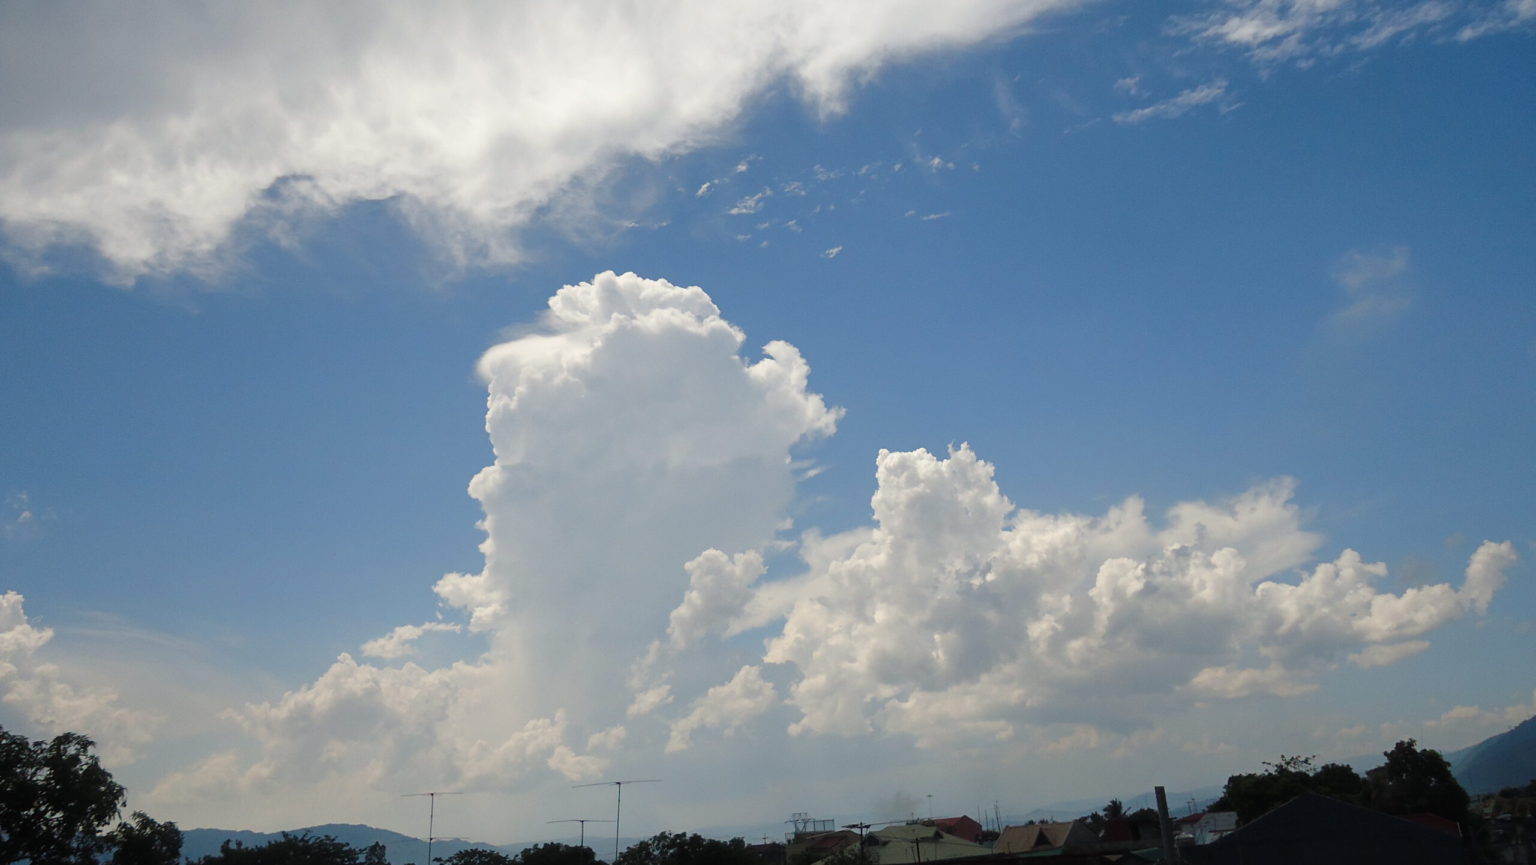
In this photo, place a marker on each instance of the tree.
(303, 849)
(1114, 809)
(55, 798)
(376, 854)
(145, 842)
(678, 848)
(557, 854)
(1415, 781)
(478, 856)
(1253, 794)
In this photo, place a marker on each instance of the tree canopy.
(679, 848)
(1411, 781)
(302, 849)
(557, 854)
(1415, 781)
(1253, 794)
(55, 798)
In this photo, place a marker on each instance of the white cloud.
(1507, 16)
(401, 641)
(833, 252)
(163, 135)
(961, 615)
(44, 695)
(725, 707)
(1477, 723)
(630, 433)
(1301, 31)
(750, 203)
(1177, 106)
(719, 588)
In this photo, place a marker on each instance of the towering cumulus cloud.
(177, 129)
(634, 534)
(630, 434)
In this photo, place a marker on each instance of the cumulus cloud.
(42, 693)
(630, 433)
(725, 707)
(402, 640)
(164, 135)
(719, 588)
(1475, 721)
(635, 442)
(961, 615)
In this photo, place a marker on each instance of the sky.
(817, 407)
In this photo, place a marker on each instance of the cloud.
(163, 139)
(632, 439)
(401, 641)
(1474, 721)
(719, 588)
(750, 203)
(961, 615)
(20, 518)
(832, 252)
(1507, 16)
(1302, 31)
(1178, 106)
(1376, 286)
(42, 693)
(726, 707)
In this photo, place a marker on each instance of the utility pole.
(583, 821)
(618, 807)
(431, 813)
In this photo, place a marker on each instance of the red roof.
(960, 827)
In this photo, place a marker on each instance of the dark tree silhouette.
(144, 841)
(1415, 781)
(288, 850)
(477, 856)
(557, 854)
(55, 798)
(678, 848)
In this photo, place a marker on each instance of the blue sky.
(1098, 336)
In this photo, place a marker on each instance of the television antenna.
(431, 813)
(583, 821)
(618, 804)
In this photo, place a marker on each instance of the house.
(815, 846)
(916, 842)
(1316, 830)
(960, 827)
(1038, 837)
(1208, 825)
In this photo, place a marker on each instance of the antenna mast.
(583, 821)
(431, 813)
(618, 807)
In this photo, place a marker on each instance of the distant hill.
(1505, 760)
(402, 849)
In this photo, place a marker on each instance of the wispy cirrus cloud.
(1302, 31)
(1377, 287)
(1177, 106)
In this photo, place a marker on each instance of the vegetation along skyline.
(818, 407)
